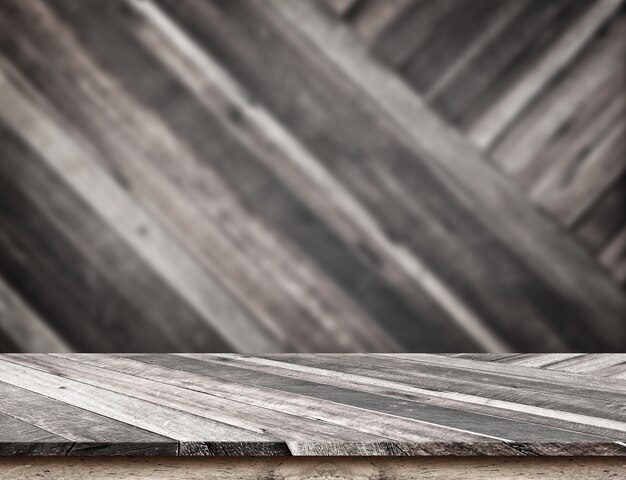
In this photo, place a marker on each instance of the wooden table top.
(284, 404)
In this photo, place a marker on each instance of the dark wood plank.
(506, 55)
(409, 29)
(449, 40)
(370, 17)
(605, 218)
(25, 331)
(21, 438)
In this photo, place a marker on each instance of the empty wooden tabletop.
(317, 404)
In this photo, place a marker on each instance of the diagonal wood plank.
(478, 404)
(300, 405)
(230, 412)
(557, 259)
(399, 370)
(27, 330)
(368, 416)
(459, 418)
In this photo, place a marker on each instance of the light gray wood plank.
(508, 366)
(599, 412)
(230, 412)
(164, 421)
(589, 363)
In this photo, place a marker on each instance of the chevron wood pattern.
(328, 175)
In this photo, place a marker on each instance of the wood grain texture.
(309, 405)
(314, 176)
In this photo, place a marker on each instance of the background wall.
(332, 175)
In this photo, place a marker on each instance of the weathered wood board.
(312, 405)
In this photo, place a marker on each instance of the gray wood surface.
(312, 405)
(312, 176)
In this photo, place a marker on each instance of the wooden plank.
(567, 189)
(528, 468)
(588, 364)
(89, 174)
(371, 416)
(390, 307)
(508, 55)
(570, 43)
(406, 372)
(271, 275)
(327, 401)
(421, 223)
(550, 127)
(288, 427)
(498, 201)
(303, 405)
(450, 39)
(537, 360)
(501, 21)
(459, 418)
(614, 256)
(509, 366)
(149, 416)
(22, 438)
(77, 252)
(370, 17)
(604, 391)
(468, 403)
(293, 164)
(605, 218)
(25, 329)
(87, 433)
(410, 27)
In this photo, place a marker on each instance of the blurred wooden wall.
(331, 175)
